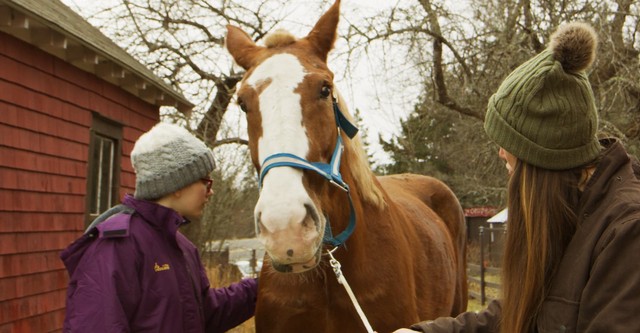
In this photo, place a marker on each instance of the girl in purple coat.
(135, 272)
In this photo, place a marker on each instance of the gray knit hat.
(544, 112)
(168, 158)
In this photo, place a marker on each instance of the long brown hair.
(541, 222)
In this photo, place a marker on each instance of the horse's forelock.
(279, 38)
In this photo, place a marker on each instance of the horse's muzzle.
(298, 267)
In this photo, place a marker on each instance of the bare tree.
(183, 42)
(459, 59)
(462, 60)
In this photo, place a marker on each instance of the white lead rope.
(341, 279)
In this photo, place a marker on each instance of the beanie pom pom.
(574, 46)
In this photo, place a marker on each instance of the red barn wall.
(46, 109)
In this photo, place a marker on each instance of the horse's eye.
(326, 91)
(243, 106)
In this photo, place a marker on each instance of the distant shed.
(72, 103)
(500, 217)
(477, 217)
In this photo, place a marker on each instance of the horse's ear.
(242, 48)
(324, 33)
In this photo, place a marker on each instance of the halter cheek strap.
(330, 171)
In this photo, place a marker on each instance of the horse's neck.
(357, 173)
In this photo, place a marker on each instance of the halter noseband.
(329, 171)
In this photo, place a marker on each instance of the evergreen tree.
(436, 142)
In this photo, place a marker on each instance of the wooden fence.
(478, 273)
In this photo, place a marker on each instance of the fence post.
(482, 268)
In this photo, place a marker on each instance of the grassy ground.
(490, 293)
(474, 303)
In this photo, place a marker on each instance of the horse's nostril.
(290, 252)
(312, 214)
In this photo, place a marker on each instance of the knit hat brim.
(174, 180)
(531, 152)
(168, 158)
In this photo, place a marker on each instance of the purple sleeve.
(101, 291)
(230, 306)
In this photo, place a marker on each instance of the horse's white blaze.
(281, 206)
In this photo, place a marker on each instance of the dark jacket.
(596, 288)
(135, 272)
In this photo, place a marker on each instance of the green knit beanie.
(544, 112)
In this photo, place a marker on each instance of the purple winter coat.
(136, 273)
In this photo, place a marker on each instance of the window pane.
(103, 167)
(103, 174)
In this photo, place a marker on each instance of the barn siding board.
(30, 263)
(126, 166)
(31, 80)
(128, 179)
(14, 94)
(15, 179)
(23, 201)
(103, 96)
(19, 159)
(35, 121)
(32, 305)
(14, 48)
(42, 143)
(34, 284)
(81, 79)
(36, 241)
(15, 70)
(36, 324)
(59, 79)
(37, 221)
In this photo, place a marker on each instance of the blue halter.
(330, 172)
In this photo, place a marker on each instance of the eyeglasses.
(208, 182)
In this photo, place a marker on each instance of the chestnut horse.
(405, 259)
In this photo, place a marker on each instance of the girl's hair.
(541, 222)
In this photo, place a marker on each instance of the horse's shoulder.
(427, 189)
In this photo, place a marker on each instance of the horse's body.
(405, 261)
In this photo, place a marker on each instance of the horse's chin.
(298, 267)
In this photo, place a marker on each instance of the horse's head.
(287, 95)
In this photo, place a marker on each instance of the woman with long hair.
(573, 204)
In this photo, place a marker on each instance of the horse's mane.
(360, 168)
(278, 38)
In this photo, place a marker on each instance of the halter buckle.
(342, 187)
